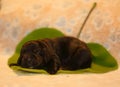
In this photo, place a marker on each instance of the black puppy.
(67, 53)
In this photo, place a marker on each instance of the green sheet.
(103, 61)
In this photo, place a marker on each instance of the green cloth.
(103, 61)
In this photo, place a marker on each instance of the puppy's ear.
(52, 62)
(53, 65)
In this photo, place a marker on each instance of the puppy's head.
(39, 55)
(32, 55)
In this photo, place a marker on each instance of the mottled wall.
(19, 17)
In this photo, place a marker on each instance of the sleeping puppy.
(67, 53)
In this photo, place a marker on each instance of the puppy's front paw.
(52, 67)
(52, 71)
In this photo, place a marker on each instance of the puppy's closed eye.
(37, 51)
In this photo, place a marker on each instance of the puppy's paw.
(53, 66)
(52, 71)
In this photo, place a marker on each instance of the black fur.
(67, 53)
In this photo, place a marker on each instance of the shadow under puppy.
(67, 53)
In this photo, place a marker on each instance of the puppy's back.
(65, 46)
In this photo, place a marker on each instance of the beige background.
(19, 17)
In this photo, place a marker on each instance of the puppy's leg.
(80, 59)
(53, 65)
